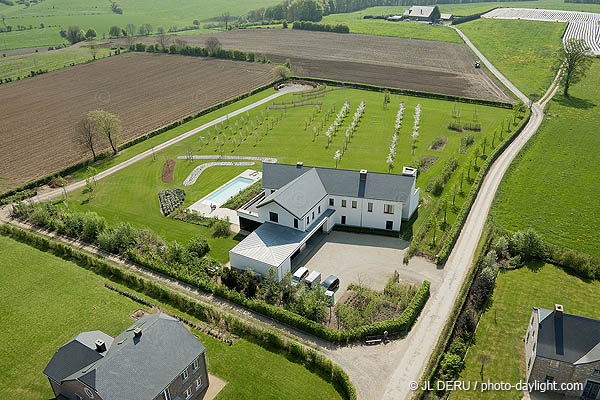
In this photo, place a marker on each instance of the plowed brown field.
(437, 67)
(146, 91)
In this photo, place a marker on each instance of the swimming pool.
(232, 188)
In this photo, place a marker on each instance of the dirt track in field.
(146, 91)
(437, 67)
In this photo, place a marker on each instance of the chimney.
(100, 346)
(299, 164)
(407, 171)
(363, 174)
(558, 311)
(137, 332)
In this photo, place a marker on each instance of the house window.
(185, 375)
(344, 203)
(195, 364)
(307, 221)
(354, 204)
(188, 393)
(389, 225)
(554, 364)
(549, 378)
(88, 393)
(388, 208)
(319, 209)
(273, 217)
(296, 223)
(313, 215)
(166, 394)
(343, 220)
(331, 202)
(527, 338)
(370, 207)
(198, 383)
(78, 397)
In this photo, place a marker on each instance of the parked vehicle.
(299, 276)
(330, 297)
(332, 283)
(477, 64)
(314, 278)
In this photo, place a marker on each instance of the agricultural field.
(31, 333)
(98, 15)
(21, 65)
(429, 66)
(522, 50)
(550, 185)
(131, 194)
(145, 91)
(504, 325)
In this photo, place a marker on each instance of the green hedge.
(244, 196)
(408, 92)
(310, 26)
(265, 337)
(443, 254)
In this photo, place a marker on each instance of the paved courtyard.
(366, 259)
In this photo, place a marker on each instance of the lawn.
(502, 328)
(521, 50)
(57, 299)
(131, 194)
(551, 185)
(22, 65)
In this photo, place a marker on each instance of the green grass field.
(131, 194)
(45, 301)
(521, 50)
(503, 327)
(98, 15)
(22, 65)
(551, 185)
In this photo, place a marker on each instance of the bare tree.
(280, 72)
(573, 60)
(130, 35)
(86, 135)
(212, 44)
(93, 50)
(108, 125)
(162, 38)
(180, 43)
(145, 29)
(225, 17)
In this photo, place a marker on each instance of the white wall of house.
(244, 263)
(284, 217)
(361, 216)
(313, 214)
(413, 203)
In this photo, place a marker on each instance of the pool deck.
(204, 206)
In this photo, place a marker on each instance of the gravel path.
(78, 185)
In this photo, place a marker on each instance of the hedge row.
(84, 164)
(443, 254)
(467, 18)
(311, 26)
(219, 52)
(408, 92)
(266, 337)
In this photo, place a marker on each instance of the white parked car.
(313, 279)
(299, 276)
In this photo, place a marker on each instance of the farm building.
(155, 358)
(299, 201)
(446, 17)
(422, 13)
(564, 348)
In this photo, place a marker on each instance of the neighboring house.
(299, 201)
(422, 13)
(156, 358)
(564, 348)
(446, 17)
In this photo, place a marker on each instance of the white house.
(299, 201)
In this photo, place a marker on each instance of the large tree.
(74, 34)
(305, 10)
(162, 38)
(115, 31)
(86, 135)
(130, 34)
(573, 60)
(108, 125)
(212, 44)
(225, 17)
(145, 29)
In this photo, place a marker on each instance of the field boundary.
(267, 338)
(85, 163)
(408, 92)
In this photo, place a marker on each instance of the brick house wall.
(72, 389)
(530, 342)
(565, 373)
(178, 386)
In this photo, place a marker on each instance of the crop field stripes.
(582, 25)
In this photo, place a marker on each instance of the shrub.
(170, 199)
(527, 244)
(92, 225)
(198, 246)
(73, 224)
(107, 240)
(222, 228)
(458, 347)
(451, 364)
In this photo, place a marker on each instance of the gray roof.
(272, 243)
(419, 11)
(340, 182)
(135, 368)
(572, 338)
(299, 195)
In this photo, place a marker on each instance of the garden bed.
(167, 171)
(170, 199)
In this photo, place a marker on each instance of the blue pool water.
(220, 196)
